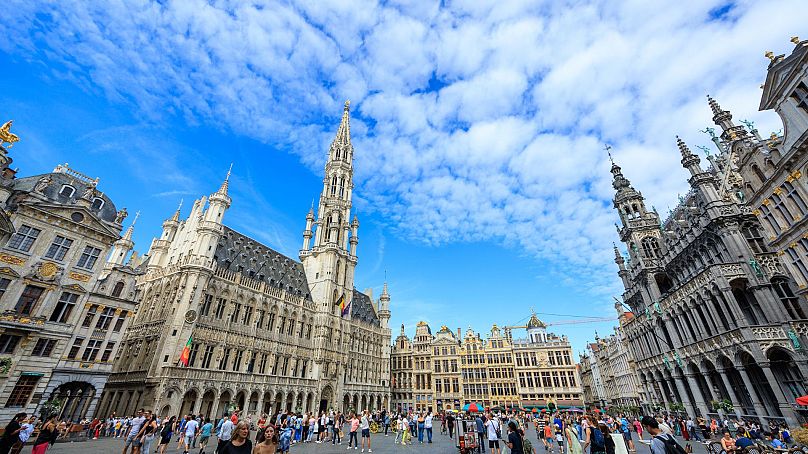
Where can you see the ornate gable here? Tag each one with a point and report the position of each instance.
(78, 215)
(782, 73)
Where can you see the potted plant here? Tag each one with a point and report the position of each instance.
(5, 366)
(676, 407)
(49, 408)
(724, 405)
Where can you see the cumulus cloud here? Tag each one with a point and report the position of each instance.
(472, 121)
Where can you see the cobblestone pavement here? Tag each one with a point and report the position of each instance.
(381, 444)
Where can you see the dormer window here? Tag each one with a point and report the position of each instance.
(98, 203)
(67, 190)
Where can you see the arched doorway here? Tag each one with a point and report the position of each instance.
(267, 403)
(75, 398)
(738, 387)
(278, 402)
(326, 395)
(253, 407)
(346, 404)
(241, 399)
(787, 373)
(310, 402)
(207, 404)
(188, 400)
(364, 404)
(225, 404)
(760, 385)
(290, 400)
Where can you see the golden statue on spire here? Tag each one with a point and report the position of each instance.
(6, 136)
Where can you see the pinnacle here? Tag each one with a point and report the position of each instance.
(686, 153)
(714, 105)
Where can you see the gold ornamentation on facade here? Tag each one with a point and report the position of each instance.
(796, 174)
(48, 270)
(6, 136)
(769, 54)
(11, 259)
(795, 39)
(756, 212)
(766, 201)
(778, 191)
(78, 276)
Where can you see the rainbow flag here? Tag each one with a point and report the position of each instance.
(185, 356)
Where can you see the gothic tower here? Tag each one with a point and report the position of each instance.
(330, 262)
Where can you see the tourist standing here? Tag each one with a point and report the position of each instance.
(514, 439)
(354, 426)
(131, 435)
(481, 438)
(364, 425)
(268, 443)
(450, 421)
(47, 436)
(240, 442)
(421, 427)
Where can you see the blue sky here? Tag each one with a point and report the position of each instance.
(482, 185)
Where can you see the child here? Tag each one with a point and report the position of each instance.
(559, 436)
(548, 437)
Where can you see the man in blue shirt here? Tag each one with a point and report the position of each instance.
(480, 433)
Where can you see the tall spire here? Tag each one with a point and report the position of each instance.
(341, 147)
(130, 230)
(226, 183)
(723, 118)
(717, 110)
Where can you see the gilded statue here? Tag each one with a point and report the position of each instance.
(6, 136)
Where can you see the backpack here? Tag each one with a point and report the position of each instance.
(598, 443)
(527, 446)
(671, 446)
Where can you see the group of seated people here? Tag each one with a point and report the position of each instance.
(731, 445)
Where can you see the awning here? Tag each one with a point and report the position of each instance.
(802, 401)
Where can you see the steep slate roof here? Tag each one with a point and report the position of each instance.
(240, 253)
(27, 184)
(362, 308)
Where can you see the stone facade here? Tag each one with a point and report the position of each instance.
(608, 372)
(63, 307)
(715, 312)
(266, 332)
(444, 371)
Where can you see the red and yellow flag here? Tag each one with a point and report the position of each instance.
(185, 356)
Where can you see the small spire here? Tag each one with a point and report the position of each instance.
(131, 229)
(714, 106)
(686, 153)
(618, 257)
(176, 216)
(384, 290)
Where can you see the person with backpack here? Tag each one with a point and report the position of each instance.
(492, 426)
(594, 437)
(514, 442)
(661, 443)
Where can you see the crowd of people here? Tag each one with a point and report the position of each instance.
(557, 432)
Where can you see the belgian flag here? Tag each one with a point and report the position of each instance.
(185, 356)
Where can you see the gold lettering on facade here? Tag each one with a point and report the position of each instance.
(78, 276)
(11, 259)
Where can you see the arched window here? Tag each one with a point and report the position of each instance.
(788, 299)
(67, 190)
(98, 203)
(116, 292)
(796, 198)
(334, 185)
(754, 238)
(758, 173)
(749, 305)
(342, 186)
(650, 247)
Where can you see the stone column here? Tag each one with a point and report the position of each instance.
(785, 408)
(736, 401)
(260, 408)
(690, 408)
(701, 402)
(759, 408)
(91, 405)
(197, 404)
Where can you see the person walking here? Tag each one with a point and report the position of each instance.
(428, 426)
(336, 428)
(450, 422)
(493, 429)
(225, 434)
(191, 427)
(131, 436)
(595, 438)
(386, 422)
(204, 435)
(660, 440)
(514, 442)
(166, 432)
(147, 431)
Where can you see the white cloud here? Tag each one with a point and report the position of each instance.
(475, 120)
